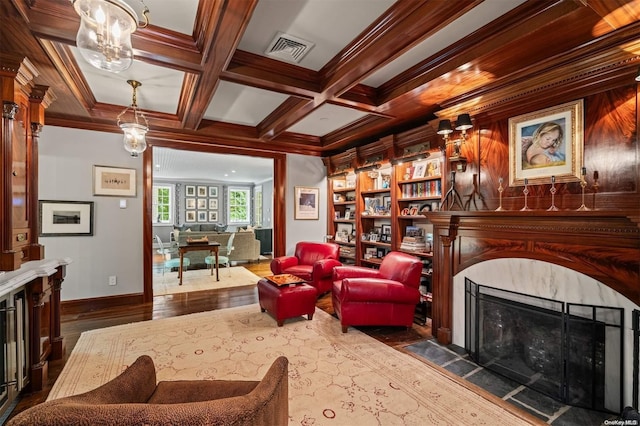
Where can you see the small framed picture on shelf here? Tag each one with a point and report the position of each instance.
(339, 183)
(336, 215)
(433, 167)
(370, 252)
(419, 170)
(374, 237)
(364, 237)
(386, 229)
(347, 214)
(380, 253)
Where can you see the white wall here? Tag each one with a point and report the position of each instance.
(66, 161)
(67, 157)
(310, 172)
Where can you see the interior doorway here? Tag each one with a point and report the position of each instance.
(213, 176)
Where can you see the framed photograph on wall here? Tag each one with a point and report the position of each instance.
(213, 191)
(202, 216)
(202, 191)
(213, 204)
(66, 218)
(190, 191)
(191, 216)
(306, 203)
(190, 203)
(114, 181)
(202, 204)
(547, 143)
(213, 216)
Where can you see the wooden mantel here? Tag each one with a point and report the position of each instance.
(604, 245)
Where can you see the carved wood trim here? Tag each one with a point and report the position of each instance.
(604, 245)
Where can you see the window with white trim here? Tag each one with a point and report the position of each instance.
(239, 206)
(162, 204)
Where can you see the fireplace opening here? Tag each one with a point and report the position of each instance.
(570, 352)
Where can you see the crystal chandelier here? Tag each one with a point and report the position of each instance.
(104, 36)
(136, 128)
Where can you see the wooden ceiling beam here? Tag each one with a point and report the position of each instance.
(221, 47)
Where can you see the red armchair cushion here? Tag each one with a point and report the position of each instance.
(312, 261)
(388, 296)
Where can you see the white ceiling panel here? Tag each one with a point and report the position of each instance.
(238, 104)
(160, 90)
(329, 24)
(326, 119)
(177, 16)
(182, 165)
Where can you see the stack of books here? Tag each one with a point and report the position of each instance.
(413, 244)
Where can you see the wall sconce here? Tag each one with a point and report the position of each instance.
(415, 153)
(104, 36)
(340, 172)
(463, 123)
(134, 130)
(372, 163)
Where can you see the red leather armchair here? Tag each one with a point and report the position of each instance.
(385, 296)
(312, 261)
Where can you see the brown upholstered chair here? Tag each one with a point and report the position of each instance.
(133, 398)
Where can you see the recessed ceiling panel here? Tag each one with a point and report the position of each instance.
(325, 120)
(183, 165)
(330, 25)
(234, 103)
(473, 20)
(172, 15)
(160, 90)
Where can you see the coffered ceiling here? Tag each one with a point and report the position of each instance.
(373, 67)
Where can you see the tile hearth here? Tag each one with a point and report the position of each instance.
(455, 359)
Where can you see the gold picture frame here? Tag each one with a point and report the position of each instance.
(546, 143)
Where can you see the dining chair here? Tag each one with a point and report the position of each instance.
(168, 262)
(224, 258)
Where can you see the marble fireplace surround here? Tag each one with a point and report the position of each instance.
(588, 257)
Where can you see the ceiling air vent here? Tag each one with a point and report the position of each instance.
(288, 48)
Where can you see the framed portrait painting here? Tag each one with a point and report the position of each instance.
(66, 218)
(547, 143)
(114, 181)
(306, 203)
(190, 191)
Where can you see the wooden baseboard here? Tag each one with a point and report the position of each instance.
(81, 306)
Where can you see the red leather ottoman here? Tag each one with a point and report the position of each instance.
(287, 301)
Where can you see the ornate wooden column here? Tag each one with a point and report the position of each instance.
(57, 341)
(444, 236)
(22, 105)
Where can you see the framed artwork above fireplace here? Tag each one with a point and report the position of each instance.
(547, 145)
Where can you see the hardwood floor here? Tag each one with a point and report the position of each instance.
(186, 303)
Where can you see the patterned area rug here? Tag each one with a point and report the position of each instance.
(334, 378)
(201, 279)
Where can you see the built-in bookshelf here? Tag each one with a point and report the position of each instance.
(374, 220)
(343, 219)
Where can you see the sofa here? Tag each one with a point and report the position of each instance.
(246, 248)
(134, 398)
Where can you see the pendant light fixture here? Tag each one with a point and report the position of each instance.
(104, 36)
(135, 129)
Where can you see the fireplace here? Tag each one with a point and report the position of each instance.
(570, 352)
(575, 258)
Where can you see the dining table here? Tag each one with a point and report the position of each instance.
(211, 246)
